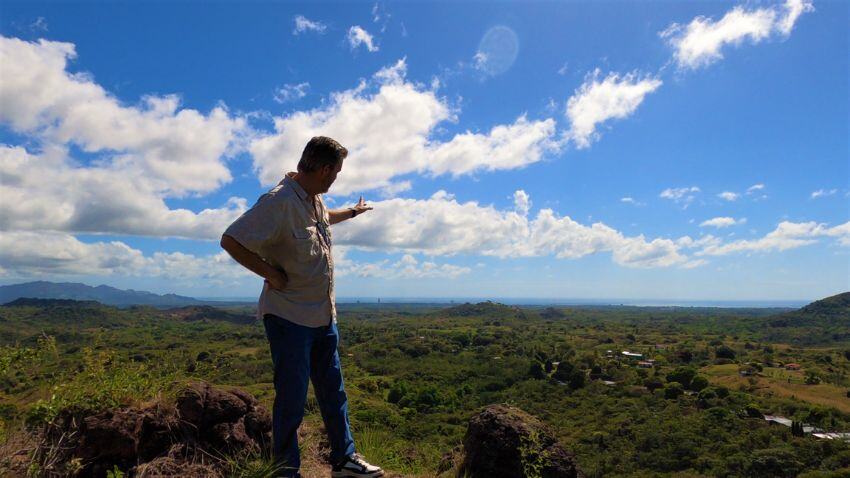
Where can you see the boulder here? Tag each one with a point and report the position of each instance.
(505, 442)
(166, 439)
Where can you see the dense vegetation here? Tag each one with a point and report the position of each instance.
(415, 374)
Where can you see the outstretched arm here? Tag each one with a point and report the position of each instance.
(339, 215)
(253, 262)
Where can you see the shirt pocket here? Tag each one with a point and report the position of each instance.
(306, 243)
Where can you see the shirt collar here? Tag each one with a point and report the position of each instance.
(295, 186)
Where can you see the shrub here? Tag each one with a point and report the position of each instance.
(725, 352)
(698, 383)
(673, 390)
(682, 375)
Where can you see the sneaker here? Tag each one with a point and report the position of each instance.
(354, 466)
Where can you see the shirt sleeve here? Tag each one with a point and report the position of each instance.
(260, 226)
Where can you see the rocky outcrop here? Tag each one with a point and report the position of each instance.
(167, 439)
(506, 442)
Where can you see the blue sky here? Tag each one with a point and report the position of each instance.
(656, 150)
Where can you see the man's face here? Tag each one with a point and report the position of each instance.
(329, 176)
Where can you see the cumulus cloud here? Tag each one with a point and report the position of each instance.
(729, 196)
(47, 192)
(680, 195)
(26, 254)
(787, 235)
(411, 226)
(823, 192)
(700, 42)
(34, 254)
(304, 24)
(407, 267)
(597, 101)
(133, 156)
(173, 150)
(358, 36)
(388, 124)
(720, 222)
(291, 92)
(522, 202)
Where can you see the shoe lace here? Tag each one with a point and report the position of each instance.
(358, 458)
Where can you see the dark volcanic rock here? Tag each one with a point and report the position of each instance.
(168, 439)
(506, 442)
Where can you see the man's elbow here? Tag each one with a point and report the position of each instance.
(227, 243)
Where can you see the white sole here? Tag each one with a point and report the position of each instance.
(349, 474)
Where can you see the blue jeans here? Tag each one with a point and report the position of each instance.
(300, 354)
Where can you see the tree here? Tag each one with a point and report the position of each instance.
(724, 351)
(673, 390)
(811, 378)
(536, 370)
(683, 375)
(563, 372)
(653, 384)
(698, 383)
(577, 379)
(685, 356)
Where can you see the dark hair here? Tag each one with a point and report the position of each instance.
(321, 151)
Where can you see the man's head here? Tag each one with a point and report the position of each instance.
(320, 162)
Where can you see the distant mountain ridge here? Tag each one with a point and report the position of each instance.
(102, 293)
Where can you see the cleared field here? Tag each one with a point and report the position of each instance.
(776, 383)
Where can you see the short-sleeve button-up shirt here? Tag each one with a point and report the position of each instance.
(291, 231)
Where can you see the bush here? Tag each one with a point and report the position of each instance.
(812, 378)
(673, 390)
(724, 352)
(698, 383)
(682, 375)
(654, 384)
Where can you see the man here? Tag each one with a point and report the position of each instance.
(286, 239)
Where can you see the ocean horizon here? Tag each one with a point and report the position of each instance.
(532, 301)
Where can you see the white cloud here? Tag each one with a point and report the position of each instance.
(720, 222)
(304, 24)
(380, 15)
(387, 125)
(133, 156)
(787, 235)
(793, 10)
(410, 225)
(522, 202)
(176, 151)
(358, 36)
(823, 193)
(680, 195)
(407, 267)
(729, 196)
(631, 200)
(755, 187)
(291, 92)
(39, 25)
(563, 69)
(49, 192)
(701, 42)
(595, 102)
(48, 254)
